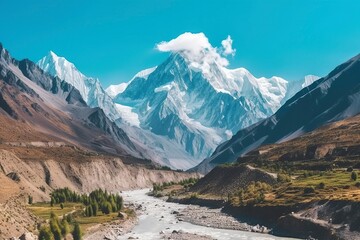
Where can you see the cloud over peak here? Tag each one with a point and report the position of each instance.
(227, 46)
(197, 48)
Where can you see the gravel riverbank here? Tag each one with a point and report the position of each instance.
(181, 235)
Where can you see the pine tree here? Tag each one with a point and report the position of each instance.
(106, 208)
(69, 218)
(45, 234)
(90, 211)
(77, 232)
(30, 199)
(94, 207)
(55, 229)
(65, 228)
(354, 175)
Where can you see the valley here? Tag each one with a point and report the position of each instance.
(189, 149)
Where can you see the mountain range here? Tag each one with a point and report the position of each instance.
(329, 99)
(181, 110)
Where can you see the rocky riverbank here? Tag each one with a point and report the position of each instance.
(110, 231)
(215, 218)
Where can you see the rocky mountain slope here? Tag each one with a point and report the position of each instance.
(335, 144)
(329, 99)
(55, 110)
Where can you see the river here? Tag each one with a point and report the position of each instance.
(157, 217)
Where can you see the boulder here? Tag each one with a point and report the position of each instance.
(122, 215)
(28, 236)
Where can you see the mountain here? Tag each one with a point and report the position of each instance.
(181, 110)
(89, 88)
(114, 90)
(197, 105)
(44, 108)
(332, 98)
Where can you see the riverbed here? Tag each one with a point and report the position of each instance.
(156, 219)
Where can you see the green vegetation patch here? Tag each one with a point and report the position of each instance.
(71, 213)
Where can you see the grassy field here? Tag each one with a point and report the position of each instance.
(43, 210)
(334, 185)
(86, 222)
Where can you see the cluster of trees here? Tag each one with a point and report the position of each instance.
(58, 229)
(103, 201)
(63, 195)
(186, 183)
(252, 194)
(96, 201)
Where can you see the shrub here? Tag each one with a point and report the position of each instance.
(194, 196)
(61, 205)
(349, 169)
(354, 175)
(321, 185)
(283, 178)
(42, 188)
(309, 190)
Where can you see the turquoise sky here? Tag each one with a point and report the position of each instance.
(112, 40)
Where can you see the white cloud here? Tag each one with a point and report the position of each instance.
(197, 48)
(227, 46)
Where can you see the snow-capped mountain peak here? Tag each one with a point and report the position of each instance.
(309, 79)
(89, 88)
(65, 70)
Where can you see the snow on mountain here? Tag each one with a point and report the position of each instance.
(194, 100)
(309, 79)
(114, 90)
(89, 88)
